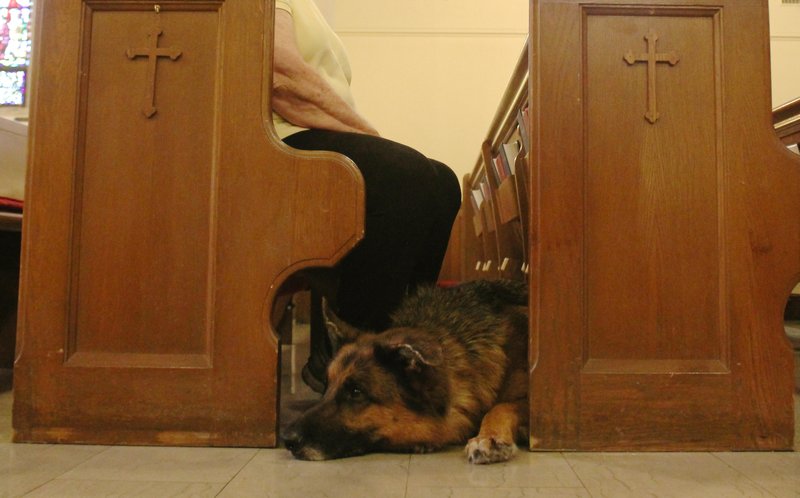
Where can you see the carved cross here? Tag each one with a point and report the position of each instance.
(651, 58)
(153, 52)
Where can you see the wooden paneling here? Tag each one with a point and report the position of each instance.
(140, 242)
(664, 237)
(161, 218)
(653, 199)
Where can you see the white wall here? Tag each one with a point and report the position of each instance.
(430, 73)
(784, 22)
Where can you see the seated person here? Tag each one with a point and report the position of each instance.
(411, 200)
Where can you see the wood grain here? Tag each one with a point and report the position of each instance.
(664, 252)
(154, 247)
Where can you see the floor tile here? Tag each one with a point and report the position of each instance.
(24, 467)
(61, 488)
(497, 493)
(779, 473)
(6, 434)
(163, 464)
(275, 473)
(450, 469)
(679, 475)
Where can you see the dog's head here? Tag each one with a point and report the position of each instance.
(386, 392)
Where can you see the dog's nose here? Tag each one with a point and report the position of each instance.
(291, 439)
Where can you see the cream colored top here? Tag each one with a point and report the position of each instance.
(321, 48)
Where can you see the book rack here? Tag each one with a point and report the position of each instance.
(494, 221)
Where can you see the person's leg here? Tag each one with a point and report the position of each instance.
(409, 213)
(447, 201)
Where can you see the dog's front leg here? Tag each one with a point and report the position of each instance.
(495, 441)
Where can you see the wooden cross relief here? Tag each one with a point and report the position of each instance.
(651, 58)
(152, 52)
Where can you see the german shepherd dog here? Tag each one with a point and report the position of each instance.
(454, 359)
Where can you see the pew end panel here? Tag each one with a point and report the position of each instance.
(162, 216)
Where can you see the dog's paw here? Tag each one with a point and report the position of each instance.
(483, 450)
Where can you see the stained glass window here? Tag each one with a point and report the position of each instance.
(15, 50)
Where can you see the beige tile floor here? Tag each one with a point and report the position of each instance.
(86, 471)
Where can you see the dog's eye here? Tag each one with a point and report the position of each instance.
(351, 393)
(355, 393)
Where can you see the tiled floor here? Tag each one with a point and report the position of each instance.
(85, 471)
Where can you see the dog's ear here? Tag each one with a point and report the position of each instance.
(339, 331)
(413, 352)
(416, 358)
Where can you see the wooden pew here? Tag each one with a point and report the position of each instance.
(655, 306)
(162, 217)
(493, 224)
(663, 232)
(11, 222)
(786, 119)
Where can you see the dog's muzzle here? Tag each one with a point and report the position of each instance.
(294, 443)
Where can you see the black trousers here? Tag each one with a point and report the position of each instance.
(411, 202)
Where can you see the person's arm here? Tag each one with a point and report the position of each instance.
(300, 95)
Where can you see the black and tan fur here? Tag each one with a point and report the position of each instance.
(453, 360)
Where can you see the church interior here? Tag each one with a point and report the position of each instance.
(635, 162)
